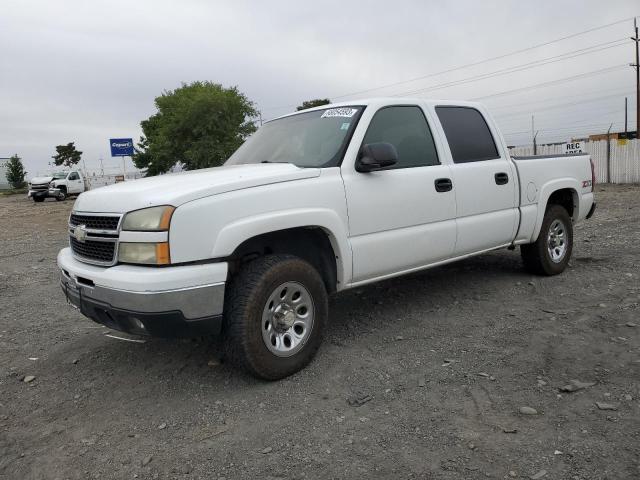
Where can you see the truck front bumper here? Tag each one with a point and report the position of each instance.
(180, 301)
(51, 192)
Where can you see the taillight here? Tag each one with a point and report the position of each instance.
(593, 174)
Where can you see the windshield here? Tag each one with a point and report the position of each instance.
(311, 139)
(59, 175)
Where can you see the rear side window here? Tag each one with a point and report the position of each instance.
(406, 128)
(468, 134)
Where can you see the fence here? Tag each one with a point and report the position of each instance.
(624, 161)
(96, 180)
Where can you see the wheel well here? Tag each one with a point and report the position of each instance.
(566, 198)
(309, 243)
(63, 188)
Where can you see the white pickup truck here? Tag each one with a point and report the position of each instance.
(58, 185)
(314, 203)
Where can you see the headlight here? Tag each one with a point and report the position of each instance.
(52, 184)
(144, 253)
(152, 219)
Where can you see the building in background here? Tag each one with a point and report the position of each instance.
(613, 136)
(4, 183)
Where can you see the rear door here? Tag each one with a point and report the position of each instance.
(402, 217)
(484, 180)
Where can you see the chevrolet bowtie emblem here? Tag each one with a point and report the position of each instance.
(80, 233)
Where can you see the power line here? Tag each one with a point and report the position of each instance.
(518, 68)
(491, 59)
(553, 82)
(573, 119)
(562, 105)
(562, 129)
(619, 90)
(453, 69)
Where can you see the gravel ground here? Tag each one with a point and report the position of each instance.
(419, 377)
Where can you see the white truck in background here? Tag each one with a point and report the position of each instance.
(58, 185)
(313, 203)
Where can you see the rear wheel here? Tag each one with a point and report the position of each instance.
(550, 253)
(275, 315)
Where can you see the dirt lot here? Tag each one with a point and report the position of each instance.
(442, 362)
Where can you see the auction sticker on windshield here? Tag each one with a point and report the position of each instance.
(339, 112)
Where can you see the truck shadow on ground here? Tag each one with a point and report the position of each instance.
(383, 307)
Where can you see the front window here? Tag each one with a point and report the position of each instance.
(406, 128)
(308, 139)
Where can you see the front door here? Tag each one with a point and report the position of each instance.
(74, 183)
(402, 217)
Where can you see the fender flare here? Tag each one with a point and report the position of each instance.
(546, 191)
(235, 233)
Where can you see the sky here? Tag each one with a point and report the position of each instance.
(73, 70)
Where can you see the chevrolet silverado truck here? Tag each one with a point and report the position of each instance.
(58, 185)
(314, 203)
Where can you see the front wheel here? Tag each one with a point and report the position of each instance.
(550, 253)
(61, 196)
(276, 310)
(38, 199)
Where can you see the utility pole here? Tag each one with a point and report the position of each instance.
(625, 118)
(535, 144)
(609, 154)
(637, 67)
(533, 135)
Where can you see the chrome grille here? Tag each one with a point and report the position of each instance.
(93, 237)
(95, 222)
(95, 251)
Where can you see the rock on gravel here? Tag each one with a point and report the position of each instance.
(539, 475)
(528, 411)
(575, 385)
(606, 406)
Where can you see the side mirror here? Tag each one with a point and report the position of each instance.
(376, 156)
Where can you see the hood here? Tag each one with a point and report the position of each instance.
(39, 180)
(178, 188)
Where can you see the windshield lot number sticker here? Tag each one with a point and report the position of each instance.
(345, 126)
(339, 112)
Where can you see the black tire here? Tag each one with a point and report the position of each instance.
(62, 196)
(38, 199)
(246, 298)
(537, 257)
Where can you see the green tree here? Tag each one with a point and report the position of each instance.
(318, 102)
(199, 125)
(67, 155)
(15, 172)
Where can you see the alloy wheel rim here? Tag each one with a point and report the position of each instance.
(287, 319)
(557, 241)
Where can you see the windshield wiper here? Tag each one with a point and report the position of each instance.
(271, 161)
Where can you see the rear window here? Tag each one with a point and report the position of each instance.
(468, 134)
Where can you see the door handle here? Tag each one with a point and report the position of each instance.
(443, 184)
(501, 178)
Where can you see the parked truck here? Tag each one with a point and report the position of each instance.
(58, 185)
(315, 203)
